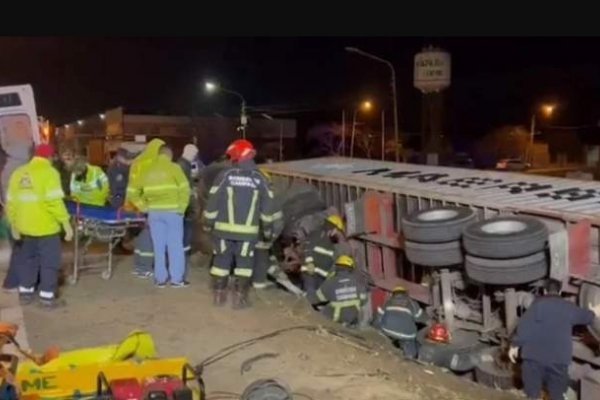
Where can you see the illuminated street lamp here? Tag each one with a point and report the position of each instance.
(546, 109)
(212, 87)
(364, 106)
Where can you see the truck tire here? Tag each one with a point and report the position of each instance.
(513, 271)
(590, 294)
(489, 373)
(436, 225)
(434, 254)
(459, 356)
(505, 237)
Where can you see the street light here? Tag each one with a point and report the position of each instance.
(364, 106)
(393, 85)
(212, 87)
(547, 110)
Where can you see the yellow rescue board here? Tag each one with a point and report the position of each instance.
(75, 373)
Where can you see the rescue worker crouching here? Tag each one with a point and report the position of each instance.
(342, 294)
(320, 254)
(265, 261)
(239, 203)
(143, 256)
(36, 212)
(89, 183)
(398, 319)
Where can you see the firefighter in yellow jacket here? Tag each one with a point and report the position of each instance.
(36, 212)
(89, 184)
(143, 257)
(165, 195)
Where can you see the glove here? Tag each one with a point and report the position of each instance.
(15, 233)
(207, 228)
(68, 231)
(513, 353)
(595, 309)
(268, 235)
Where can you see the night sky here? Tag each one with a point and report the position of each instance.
(495, 80)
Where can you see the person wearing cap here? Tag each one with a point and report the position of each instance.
(398, 319)
(186, 162)
(320, 254)
(89, 183)
(238, 214)
(165, 195)
(343, 293)
(118, 177)
(36, 213)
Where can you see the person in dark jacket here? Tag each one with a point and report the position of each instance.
(64, 165)
(544, 338)
(118, 177)
(186, 162)
(398, 320)
(343, 294)
(238, 213)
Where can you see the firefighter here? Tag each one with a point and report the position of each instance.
(89, 183)
(342, 294)
(118, 177)
(165, 195)
(265, 261)
(544, 338)
(188, 157)
(143, 257)
(239, 205)
(36, 212)
(398, 320)
(320, 254)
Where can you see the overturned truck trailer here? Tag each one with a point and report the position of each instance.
(376, 196)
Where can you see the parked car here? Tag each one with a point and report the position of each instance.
(512, 164)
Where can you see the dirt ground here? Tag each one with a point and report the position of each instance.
(183, 322)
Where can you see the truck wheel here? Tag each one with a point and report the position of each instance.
(513, 271)
(505, 237)
(590, 294)
(458, 356)
(489, 373)
(436, 225)
(434, 254)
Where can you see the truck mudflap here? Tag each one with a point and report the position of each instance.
(460, 355)
(590, 295)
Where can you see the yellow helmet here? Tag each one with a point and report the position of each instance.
(399, 289)
(336, 221)
(345, 261)
(265, 173)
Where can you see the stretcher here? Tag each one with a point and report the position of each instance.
(98, 224)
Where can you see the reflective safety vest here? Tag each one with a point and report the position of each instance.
(344, 294)
(93, 190)
(138, 169)
(319, 254)
(238, 203)
(35, 203)
(164, 187)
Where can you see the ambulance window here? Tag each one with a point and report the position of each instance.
(10, 100)
(15, 130)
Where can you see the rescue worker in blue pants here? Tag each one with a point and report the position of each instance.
(343, 294)
(320, 255)
(239, 205)
(165, 196)
(36, 212)
(544, 338)
(16, 156)
(398, 319)
(143, 256)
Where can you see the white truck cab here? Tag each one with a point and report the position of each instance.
(18, 117)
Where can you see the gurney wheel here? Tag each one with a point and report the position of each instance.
(72, 280)
(106, 275)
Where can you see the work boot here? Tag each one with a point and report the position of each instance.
(240, 293)
(51, 304)
(219, 288)
(26, 299)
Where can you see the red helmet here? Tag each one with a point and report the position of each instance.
(439, 333)
(240, 150)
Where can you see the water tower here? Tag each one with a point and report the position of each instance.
(431, 77)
